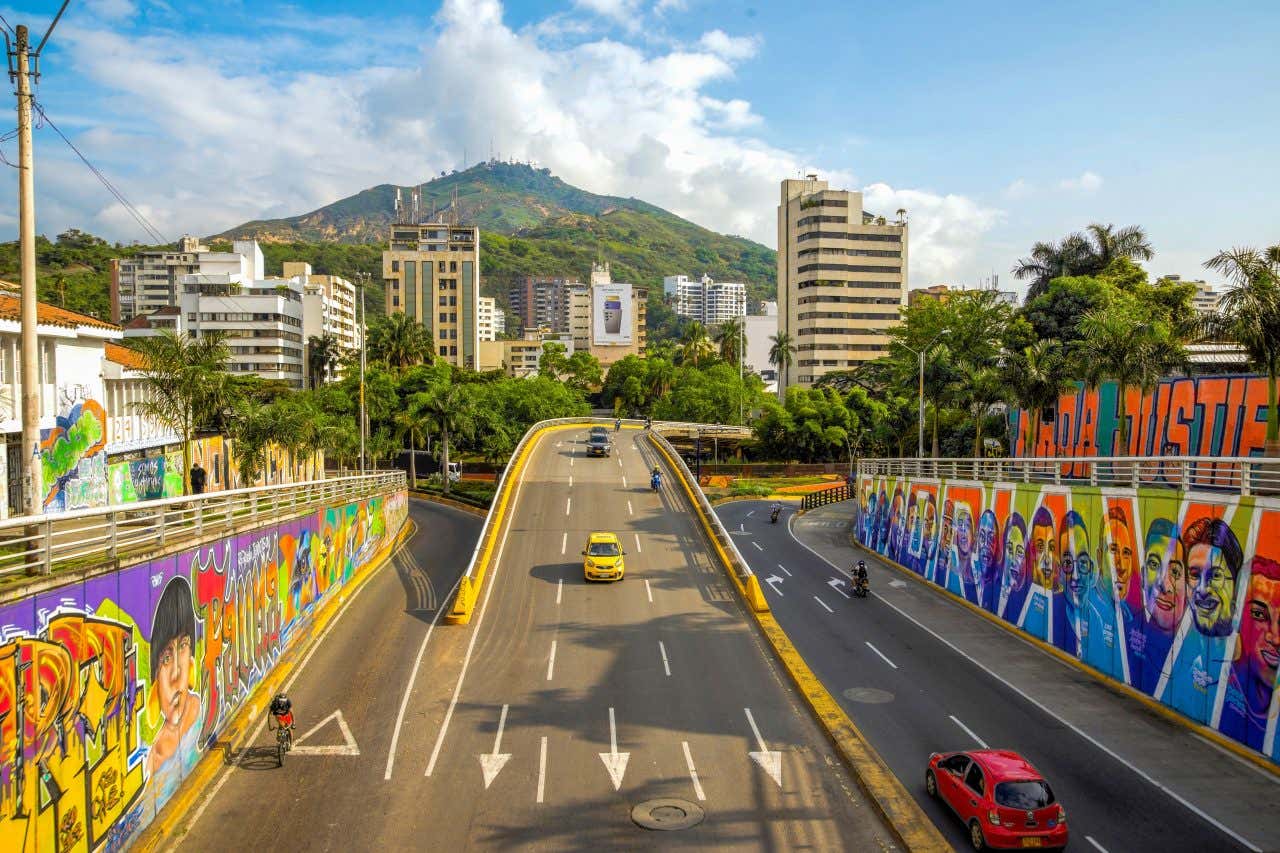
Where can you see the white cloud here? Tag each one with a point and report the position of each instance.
(663, 6)
(1018, 190)
(112, 9)
(619, 10)
(730, 47)
(203, 138)
(1086, 182)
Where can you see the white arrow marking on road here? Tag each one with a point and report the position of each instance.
(348, 748)
(493, 762)
(771, 580)
(784, 568)
(770, 761)
(897, 584)
(836, 583)
(615, 762)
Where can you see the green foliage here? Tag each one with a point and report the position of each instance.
(712, 395)
(812, 425)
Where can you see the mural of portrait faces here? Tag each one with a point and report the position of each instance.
(895, 521)
(1076, 571)
(1214, 558)
(912, 533)
(1121, 551)
(1259, 641)
(1164, 575)
(1044, 548)
(1015, 552)
(988, 547)
(964, 539)
(173, 637)
(948, 526)
(882, 520)
(930, 516)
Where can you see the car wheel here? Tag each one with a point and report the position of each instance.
(930, 783)
(976, 839)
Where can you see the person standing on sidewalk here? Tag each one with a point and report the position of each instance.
(197, 479)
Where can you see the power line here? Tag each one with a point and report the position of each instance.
(142, 220)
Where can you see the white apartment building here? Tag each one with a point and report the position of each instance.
(328, 305)
(705, 300)
(151, 279)
(490, 321)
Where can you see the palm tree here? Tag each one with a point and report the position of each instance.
(1117, 346)
(400, 342)
(980, 387)
(1249, 314)
(695, 346)
(781, 354)
(447, 411)
(1081, 254)
(1037, 376)
(1107, 244)
(184, 383)
(729, 337)
(409, 428)
(323, 355)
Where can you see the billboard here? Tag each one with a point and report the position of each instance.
(611, 307)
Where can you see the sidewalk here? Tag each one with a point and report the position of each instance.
(1197, 774)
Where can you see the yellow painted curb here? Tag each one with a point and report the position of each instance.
(776, 496)
(170, 820)
(469, 588)
(906, 820)
(1123, 689)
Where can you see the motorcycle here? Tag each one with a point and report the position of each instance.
(655, 482)
(861, 586)
(773, 516)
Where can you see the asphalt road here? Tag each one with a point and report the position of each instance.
(559, 708)
(912, 695)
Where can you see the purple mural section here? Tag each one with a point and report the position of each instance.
(112, 688)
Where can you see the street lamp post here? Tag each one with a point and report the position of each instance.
(920, 353)
(363, 279)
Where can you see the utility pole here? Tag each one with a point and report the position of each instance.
(32, 479)
(363, 279)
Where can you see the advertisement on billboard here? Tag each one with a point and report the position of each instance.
(611, 314)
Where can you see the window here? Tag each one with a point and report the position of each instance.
(444, 300)
(956, 763)
(191, 316)
(440, 267)
(845, 268)
(453, 350)
(395, 301)
(809, 220)
(395, 266)
(453, 300)
(603, 549)
(443, 317)
(444, 350)
(453, 318)
(1026, 796)
(973, 779)
(453, 266)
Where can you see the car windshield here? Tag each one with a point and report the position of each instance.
(599, 439)
(598, 430)
(603, 549)
(1024, 795)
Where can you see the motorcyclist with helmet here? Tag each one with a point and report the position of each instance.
(859, 583)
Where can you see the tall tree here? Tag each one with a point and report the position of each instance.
(1249, 314)
(399, 342)
(728, 337)
(1081, 254)
(781, 353)
(448, 412)
(1035, 377)
(324, 353)
(185, 380)
(695, 346)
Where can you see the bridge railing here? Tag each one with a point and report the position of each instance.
(43, 544)
(822, 497)
(1242, 475)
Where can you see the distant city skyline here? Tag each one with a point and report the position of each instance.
(993, 128)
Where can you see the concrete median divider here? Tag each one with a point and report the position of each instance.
(902, 814)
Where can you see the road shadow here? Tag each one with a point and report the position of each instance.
(553, 573)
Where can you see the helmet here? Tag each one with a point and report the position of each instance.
(280, 704)
(862, 564)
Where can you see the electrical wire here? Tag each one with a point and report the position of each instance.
(138, 216)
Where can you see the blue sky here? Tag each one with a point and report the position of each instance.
(994, 124)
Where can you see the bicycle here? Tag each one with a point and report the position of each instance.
(284, 741)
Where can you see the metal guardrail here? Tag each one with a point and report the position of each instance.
(43, 544)
(1242, 475)
(836, 494)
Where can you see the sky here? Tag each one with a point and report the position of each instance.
(995, 124)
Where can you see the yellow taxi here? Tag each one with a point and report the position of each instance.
(603, 558)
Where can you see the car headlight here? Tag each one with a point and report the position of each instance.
(590, 564)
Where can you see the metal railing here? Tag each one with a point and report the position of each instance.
(822, 497)
(1242, 475)
(103, 536)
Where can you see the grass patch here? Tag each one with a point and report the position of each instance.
(763, 487)
(477, 493)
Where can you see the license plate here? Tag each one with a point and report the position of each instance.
(1031, 842)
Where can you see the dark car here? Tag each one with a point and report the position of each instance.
(598, 445)
(1004, 801)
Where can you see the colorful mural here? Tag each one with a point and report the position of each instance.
(74, 466)
(1176, 596)
(1187, 416)
(110, 689)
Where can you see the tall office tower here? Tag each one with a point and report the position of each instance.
(842, 279)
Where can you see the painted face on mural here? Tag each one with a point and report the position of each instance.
(173, 635)
(1015, 553)
(1260, 627)
(1044, 548)
(1213, 590)
(988, 546)
(948, 517)
(1164, 576)
(1121, 552)
(913, 527)
(930, 520)
(1077, 573)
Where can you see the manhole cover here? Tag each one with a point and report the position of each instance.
(868, 695)
(667, 814)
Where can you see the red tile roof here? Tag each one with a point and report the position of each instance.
(49, 315)
(130, 359)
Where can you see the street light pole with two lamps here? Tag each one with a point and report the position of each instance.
(920, 353)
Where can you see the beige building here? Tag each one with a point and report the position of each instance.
(152, 279)
(432, 273)
(617, 315)
(522, 357)
(842, 279)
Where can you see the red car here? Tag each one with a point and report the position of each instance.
(1003, 800)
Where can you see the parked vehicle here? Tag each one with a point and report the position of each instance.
(1003, 800)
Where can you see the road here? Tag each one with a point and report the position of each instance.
(559, 708)
(912, 695)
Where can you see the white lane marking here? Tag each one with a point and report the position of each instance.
(404, 703)
(1096, 845)
(542, 768)
(639, 550)
(836, 583)
(568, 503)
(564, 542)
(784, 568)
(1247, 764)
(693, 771)
(471, 644)
(571, 481)
(226, 774)
(559, 589)
(624, 481)
(757, 544)
(771, 580)
(770, 761)
(753, 512)
(982, 743)
(885, 658)
(551, 662)
(629, 510)
(666, 665)
(615, 762)
(349, 746)
(1097, 744)
(648, 590)
(571, 458)
(491, 763)
(823, 603)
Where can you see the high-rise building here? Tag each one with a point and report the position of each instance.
(432, 273)
(1205, 299)
(490, 320)
(151, 279)
(842, 279)
(618, 318)
(705, 300)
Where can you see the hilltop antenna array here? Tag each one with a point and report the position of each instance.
(399, 207)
